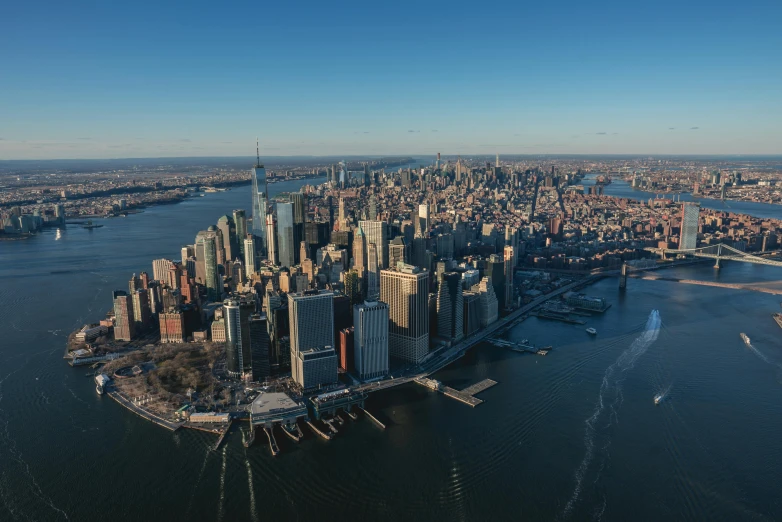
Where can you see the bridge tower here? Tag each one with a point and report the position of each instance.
(623, 277)
(717, 260)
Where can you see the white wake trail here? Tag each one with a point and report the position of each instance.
(611, 395)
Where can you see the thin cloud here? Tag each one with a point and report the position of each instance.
(83, 138)
(226, 142)
(414, 131)
(186, 140)
(434, 130)
(366, 132)
(694, 128)
(671, 128)
(601, 133)
(614, 133)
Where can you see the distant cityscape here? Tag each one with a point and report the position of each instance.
(376, 277)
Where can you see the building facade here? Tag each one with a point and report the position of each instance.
(406, 291)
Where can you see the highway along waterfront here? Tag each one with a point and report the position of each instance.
(574, 435)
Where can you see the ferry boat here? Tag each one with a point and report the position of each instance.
(778, 319)
(591, 331)
(101, 380)
(745, 338)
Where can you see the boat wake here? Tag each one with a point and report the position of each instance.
(610, 397)
(660, 397)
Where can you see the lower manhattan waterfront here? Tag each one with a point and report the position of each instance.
(573, 435)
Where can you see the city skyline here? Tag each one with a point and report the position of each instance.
(407, 79)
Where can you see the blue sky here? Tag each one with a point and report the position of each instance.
(137, 79)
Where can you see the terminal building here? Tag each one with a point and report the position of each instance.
(269, 409)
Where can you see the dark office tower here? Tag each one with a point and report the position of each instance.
(343, 239)
(419, 252)
(398, 252)
(286, 244)
(343, 315)
(141, 312)
(124, 324)
(495, 269)
(353, 287)
(237, 311)
(330, 205)
(259, 348)
(260, 204)
(372, 208)
(316, 234)
(240, 221)
(211, 273)
(450, 306)
(300, 205)
(227, 229)
(155, 295)
(471, 317)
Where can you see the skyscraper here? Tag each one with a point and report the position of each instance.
(240, 220)
(313, 358)
(510, 263)
(450, 306)
(370, 339)
(373, 273)
(495, 270)
(260, 348)
(359, 253)
(376, 232)
(271, 237)
(398, 252)
(249, 257)
(227, 227)
(211, 273)
(406, 292)
(487, 302)
(423, 220)
(260, 203)
(141, 312)
(124, 324)
(286, 246)
(688, 239)
(237, 311)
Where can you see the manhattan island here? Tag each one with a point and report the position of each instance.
(292, 313)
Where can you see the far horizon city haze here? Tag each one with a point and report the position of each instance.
(312, 78)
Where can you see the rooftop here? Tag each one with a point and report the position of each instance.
(267, 403)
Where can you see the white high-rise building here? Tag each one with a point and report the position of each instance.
(487, 302)
(376, 232)
(406, 291)
(249, 257)
(160, 269)
(688, 239)
(370, 339)
(271, 239)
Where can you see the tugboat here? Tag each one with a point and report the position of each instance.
(591, 331)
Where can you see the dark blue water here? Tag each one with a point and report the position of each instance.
(570, 436)
(622, 189)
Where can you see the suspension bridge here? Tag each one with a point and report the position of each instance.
(719, 252)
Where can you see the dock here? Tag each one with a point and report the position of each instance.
(467, 395)
(544, 315)
(117, 396)
(522, 347)
(250, 437)
(222, 436)
(84, 361)
(272, 443)
(373, 419)
(326, 436)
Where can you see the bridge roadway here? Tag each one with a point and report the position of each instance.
(444, 356)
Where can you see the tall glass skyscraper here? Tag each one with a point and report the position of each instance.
(260, 206)
(286, 243)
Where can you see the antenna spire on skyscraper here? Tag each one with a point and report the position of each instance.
(257, 152)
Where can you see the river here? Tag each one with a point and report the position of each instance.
(573, 435)
(622, 189)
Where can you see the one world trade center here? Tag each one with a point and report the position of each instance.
(260, 204)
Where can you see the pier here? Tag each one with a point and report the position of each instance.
(272, 443)
(467, 395)
(117, 396)
(544, 315)
(373, 419)
(523, 346)
(222, 437)
(326, 436)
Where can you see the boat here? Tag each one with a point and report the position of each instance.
(658, 398)
(101, 380)
(745, 338)
(778, 319)
(89, 225)
(591, 331)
